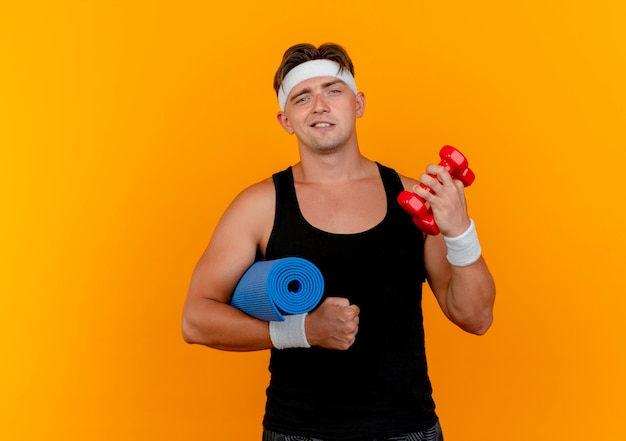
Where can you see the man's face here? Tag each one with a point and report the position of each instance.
(321, 112)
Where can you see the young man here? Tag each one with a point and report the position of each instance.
(355, 367)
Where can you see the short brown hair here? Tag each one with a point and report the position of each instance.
(303, 52)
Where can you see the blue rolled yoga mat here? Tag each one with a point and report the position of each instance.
(271, 288)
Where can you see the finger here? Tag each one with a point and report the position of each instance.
(338, 301)
(442, 174)
(344, 344)
(350, 329)
(425, 193)
(356, 309)
(459, 185)
(429, 179)
(351, 314)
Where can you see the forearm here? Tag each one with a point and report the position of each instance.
(470, 297)
(220, 326)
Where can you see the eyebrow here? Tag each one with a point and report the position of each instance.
(309, 90)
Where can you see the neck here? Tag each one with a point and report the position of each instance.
(340, 165)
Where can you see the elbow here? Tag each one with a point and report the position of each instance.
(194, 328)
(194, 334)
(478, 326)
(479, 330)
(190, 333)
(187, 335)
(477, 318)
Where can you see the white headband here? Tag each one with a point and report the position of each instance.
(313, 69)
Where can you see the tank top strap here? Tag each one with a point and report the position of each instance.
(286, 210)
(391, 180)
(283, 181)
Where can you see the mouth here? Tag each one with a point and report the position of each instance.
(320, 124)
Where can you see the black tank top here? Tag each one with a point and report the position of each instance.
(380, 386)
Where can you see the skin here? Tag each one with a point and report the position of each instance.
(339, 191)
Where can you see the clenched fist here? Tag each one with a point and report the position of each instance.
(333, 325)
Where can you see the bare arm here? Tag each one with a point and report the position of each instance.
(465, 294)
(208, 318)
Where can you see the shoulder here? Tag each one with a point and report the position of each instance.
(407, 182)
(249, 217)
(256, 196)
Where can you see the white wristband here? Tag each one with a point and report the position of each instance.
(289, 333)
(465, 249)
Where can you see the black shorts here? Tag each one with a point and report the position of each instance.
(432, 434)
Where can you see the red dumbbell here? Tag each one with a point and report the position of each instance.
(455, 164)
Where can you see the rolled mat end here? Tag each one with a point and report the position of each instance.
(270, 289)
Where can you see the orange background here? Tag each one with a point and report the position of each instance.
(127, 127)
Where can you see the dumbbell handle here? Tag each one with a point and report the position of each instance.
(456, 164)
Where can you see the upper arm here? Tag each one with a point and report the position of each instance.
(208, 318)
(243, 228)
(438, 271)
(465, 293)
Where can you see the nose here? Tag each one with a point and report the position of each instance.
(319, 104)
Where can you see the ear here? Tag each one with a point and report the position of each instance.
(360, 104)
(284, 122)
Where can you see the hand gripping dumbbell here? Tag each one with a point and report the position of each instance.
(455, 164)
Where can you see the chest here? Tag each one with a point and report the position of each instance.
(343, 208)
